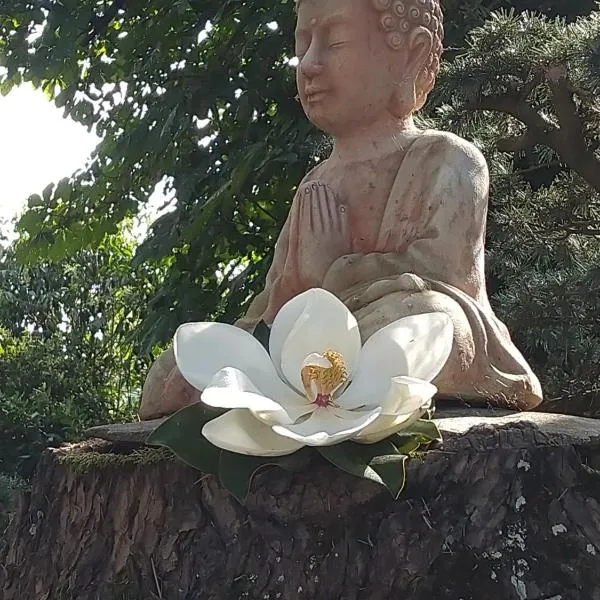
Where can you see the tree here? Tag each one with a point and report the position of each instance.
(216, 116)
(68, 352)
(508, 509)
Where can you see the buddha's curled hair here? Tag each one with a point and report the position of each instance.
(400, 17)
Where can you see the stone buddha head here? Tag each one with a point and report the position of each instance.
(361, 61)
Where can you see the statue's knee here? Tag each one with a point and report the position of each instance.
(398, 304)
(383, 288)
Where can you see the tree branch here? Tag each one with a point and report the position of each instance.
(562, 96)
(530, 85)
(516, 143)
(575, 231)
(567, 140)
(516, 107)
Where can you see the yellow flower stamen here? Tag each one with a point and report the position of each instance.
(321, 382)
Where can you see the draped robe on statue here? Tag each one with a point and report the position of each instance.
(429, 255)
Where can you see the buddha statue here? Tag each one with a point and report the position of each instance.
(393, 222)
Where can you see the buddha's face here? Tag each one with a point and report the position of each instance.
(347, 71)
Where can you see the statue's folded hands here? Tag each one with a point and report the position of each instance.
(319, 234)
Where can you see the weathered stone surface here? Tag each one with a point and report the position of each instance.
(124, 432)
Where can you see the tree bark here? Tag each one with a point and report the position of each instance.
(508, 508)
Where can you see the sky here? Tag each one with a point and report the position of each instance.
(37, 146)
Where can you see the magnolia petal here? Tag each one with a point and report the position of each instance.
(230, 388)
(328, 426)
(417, 346)
(238, 431)
(406, 395)
(203, 349)
(285, 319)
(286, 415)
(408, 399)
(312, 322)
(386, 425)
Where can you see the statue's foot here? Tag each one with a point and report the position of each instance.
(165, 390)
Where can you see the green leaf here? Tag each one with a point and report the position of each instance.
(297, 461)
(406, 444)
(182, 434)
(381, 462)
(34, 201)
(390, 469)
(420, 433)
(426, 431)
(236, 472)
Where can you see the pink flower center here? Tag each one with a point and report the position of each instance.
(323, 400)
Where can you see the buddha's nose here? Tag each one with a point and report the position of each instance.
(311, 65)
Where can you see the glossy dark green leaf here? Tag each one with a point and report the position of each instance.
(426, 431)
(406, 444)
(381, 463)
(236, 472)
(182, 434)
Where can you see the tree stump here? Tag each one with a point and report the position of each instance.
(508, 508)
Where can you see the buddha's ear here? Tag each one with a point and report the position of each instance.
(408, 95)
(420, 45)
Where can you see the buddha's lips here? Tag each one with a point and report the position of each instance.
(313, 96)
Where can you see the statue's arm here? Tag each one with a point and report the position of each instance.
(457, 201)
(299, 263)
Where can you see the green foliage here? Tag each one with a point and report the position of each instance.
(67, 348)
(217, 117)
(43, 400)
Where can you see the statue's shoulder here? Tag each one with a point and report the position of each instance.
(453, 152)
(315, 172)
(457, 163)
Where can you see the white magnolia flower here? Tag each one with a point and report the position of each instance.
(318, 386)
